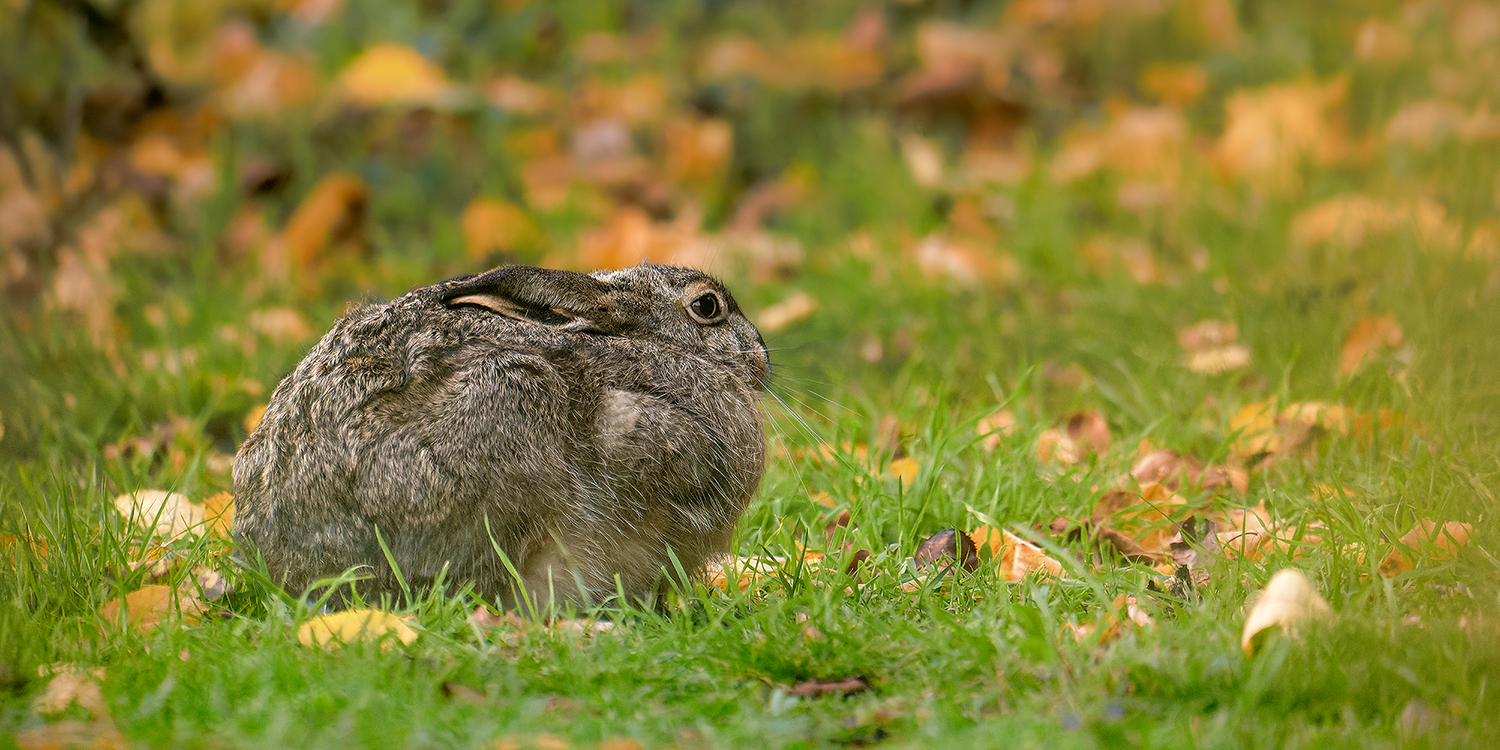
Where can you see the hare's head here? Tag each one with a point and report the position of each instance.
(679, 307)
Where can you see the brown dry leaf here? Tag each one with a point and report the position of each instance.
(1244, 532)
(1149, 518)
(957, 63)
(837, 64)
(750, 571)
(995, 427)
(515, 94)
(1348, 220)
(777, 317)
(1083, 433)
(1425, 123)
(923, 160)
(1105, 254)
(816, 688)
(1207, 334)
(352, 625)
(1286, 602)
(492, 225)
(1368, 337)
(395, 75)
(39, 547)
(961, 260)
(218, 510)
(947, 547)
(1443, 541)
(281, 325)
(697, 151)
(271, 83)
(148, 607)
(1147, 144)
(70, 733)
(631, 236)
(170, 515)
(1380, 42)
(1271, 130)
(71, 684)
(332, 213)
(1174, 85)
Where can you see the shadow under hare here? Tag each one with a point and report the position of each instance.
(582, 424)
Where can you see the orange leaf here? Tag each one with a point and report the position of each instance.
(1444, 542)
(333, 210)
(147, 608)
(491, 225)
(219, 510)
(1368, 337)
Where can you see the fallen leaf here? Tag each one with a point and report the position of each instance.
(1219, 359)
(1287, 602)
(816, 688)
(1442, 541)
(253, 417)
(923, 160)
(352, 625)
(280, 325)
(1014, 557)
(1381, 42)
(1367, 338)
(491, 225)
(1270, 131)
(995, 427)
(697, 151)
(148, 607)
(947, 545)
(1425, 123)
(904, 470)
(71, 684)
(395, 75)
(331, 214)
(1082, 434)
(515, 94)
(779, 316)
(168, 514)
(463, 693)
(71, 733)
(1174, 85)
(1348, 220)
(219, 511)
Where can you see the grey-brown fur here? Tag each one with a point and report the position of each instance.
(590, 418)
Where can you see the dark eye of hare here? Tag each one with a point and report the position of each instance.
(706, 307)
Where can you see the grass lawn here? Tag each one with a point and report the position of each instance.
(952, 269)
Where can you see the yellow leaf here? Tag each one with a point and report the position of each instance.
(168, 514)
(1287, 601)
(352, 625)
(905, 470)
(219, 510)
(395, 75)
(253, 417)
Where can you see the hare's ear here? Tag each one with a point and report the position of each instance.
(560, 299)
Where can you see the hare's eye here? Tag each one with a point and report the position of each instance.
(706, 308)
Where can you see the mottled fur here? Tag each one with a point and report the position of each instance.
(590, 419)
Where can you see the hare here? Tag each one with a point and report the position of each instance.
(597, 430)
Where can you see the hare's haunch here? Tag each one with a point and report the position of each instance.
(590, 427)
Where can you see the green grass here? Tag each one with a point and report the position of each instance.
(972, 662)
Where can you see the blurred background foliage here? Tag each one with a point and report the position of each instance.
(930, 191)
